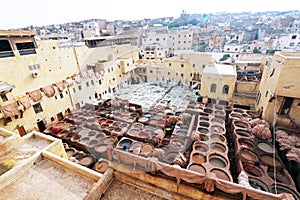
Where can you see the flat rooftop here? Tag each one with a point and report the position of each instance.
(220, 69)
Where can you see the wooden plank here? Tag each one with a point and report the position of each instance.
(163, 187)
(100, 186)
(86, 172)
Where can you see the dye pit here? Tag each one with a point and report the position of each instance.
(166, 121)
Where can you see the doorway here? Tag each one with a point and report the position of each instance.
(286, 105)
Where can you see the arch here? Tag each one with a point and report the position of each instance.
(213, 87)
(225, 89)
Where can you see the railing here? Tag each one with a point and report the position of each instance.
(6, 54)
(27, 52)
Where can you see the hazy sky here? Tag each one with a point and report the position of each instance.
(21, 13)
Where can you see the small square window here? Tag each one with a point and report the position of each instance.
(92, 82)
(79, 87)
(4, 97)
(61, 95)
(74, 90)
(87, 84)
(37, 108)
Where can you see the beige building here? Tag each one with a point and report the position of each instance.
(218, 83)
(278, 97)
(35, 75)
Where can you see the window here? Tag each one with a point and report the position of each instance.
(127, 64)
(87, 84)
(151, 71)
(272, 73)
(267, 92)
(92, 82)
(61, 95)
(26, 48)
(79, 87)
(157, 39)
(176, 74)
(191, 74)
(170, 64)
(169, 73)
(213, 87)
(225, 89)
(100, 82)
(74, 90)
(194, 65)
(5, 49)
(37, 108)
(4, 97)
(294, 37)
(182, 65)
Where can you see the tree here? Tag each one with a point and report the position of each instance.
(255, 50)
(225, 57)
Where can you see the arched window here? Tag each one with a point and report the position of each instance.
(225, 89)
(213, 87)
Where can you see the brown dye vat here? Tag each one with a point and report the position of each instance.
(203, 137)
(71, 152)
(204, 119)
(93, 143)
(280, 188)
(208, 110)
(123, 125)
(101, 166)
(203, 130)
(198, 158)
(268, 160)
(218, 147)
(165, 141)
(217, 138)
(200, 146)
(238, 110)
(75, 129)
(104, 126)
(154, 122)
(87, 161)
(265, 147)
(252, 170)
(258, 184)
(241, 124)
(117, 123)
(221, 174)
(248, 155)
(204, 124)
(242, 132)
(218, 107)
(75, 138)
(100, 136)
(246, 143)
(101, 148)
(217, 129)
(235, 116)
(204, 114)
(146, 149)
(280, 176)
(197, 168)
(110, 128)
(137, 125)
(218, 161)
(252, 114)
(135, 146)
(134, 132)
